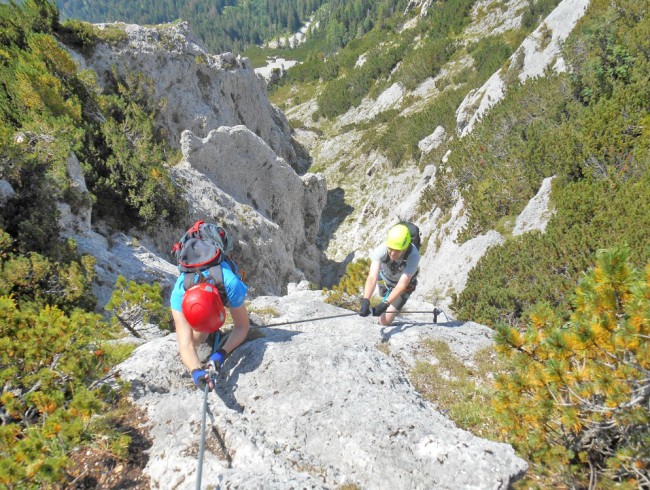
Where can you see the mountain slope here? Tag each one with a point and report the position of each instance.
(400, 135)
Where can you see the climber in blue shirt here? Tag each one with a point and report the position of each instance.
(199, 311)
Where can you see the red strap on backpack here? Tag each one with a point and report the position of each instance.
(193, 231)
(195, 228)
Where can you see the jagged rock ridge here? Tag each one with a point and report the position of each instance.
(202, 91)
(240, 166)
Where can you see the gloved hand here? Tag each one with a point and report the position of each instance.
(365, 307)
(380, 308)
(217, 359)
(201, 379)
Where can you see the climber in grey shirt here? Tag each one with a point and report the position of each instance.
(394, 266)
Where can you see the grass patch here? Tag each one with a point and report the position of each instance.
(463, 392)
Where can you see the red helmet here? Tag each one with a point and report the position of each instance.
(203, 308)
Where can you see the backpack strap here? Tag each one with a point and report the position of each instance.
(216, 274)
(408, 252)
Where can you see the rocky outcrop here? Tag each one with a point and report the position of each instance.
(231, 177)
(275, 69)
(448, 263)
(234, 178)
(6, 191)
(314, 405)
(423, 5)
(433, 141)
(239, 168)
(539, 50)
(537, 212)
(201, 91)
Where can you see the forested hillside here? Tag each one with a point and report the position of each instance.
(224, 25)
(235, 25)
(587, 127)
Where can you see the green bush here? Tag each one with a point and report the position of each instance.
(489, 54)
(134, 304)
(127, 158)
(53, 350)
(589, 215)
(347, 293)
(348, 90)
(549, 127)
(537, 12)
(576, 402)
(398, 139)
(54, 109)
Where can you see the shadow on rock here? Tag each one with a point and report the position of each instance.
(334, 213)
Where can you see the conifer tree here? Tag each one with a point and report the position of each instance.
(577, 401)
(134, 304)
(346, 292)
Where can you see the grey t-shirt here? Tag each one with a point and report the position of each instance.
(391, 271)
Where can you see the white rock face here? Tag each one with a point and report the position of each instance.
(120, 254)
(234, 178)
(423, 4)
(293, 40)
(369, 108)
(79, 220)
(116, 254)
(433, 141)
(478, 102)
(444, 269)
(295, 409)
(6, 191)
(494, 18)
(538, 51)
(537, 212)
(202, 91)
(275, 68)
(243, 175)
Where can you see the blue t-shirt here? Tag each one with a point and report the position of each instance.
(235, 289)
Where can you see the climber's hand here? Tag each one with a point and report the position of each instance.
(365, 307)
(380, 308)
(202, 379)
(217, 359)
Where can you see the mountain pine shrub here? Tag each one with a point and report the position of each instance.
(134, 304)
(48, 361)
(48, 111)
(576, 403)
(589, 215)
(348, 291)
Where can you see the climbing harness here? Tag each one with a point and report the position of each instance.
(213, 379)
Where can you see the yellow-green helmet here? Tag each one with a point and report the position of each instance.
(398, 238)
